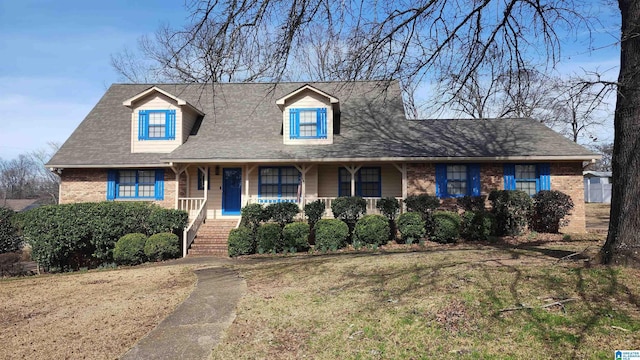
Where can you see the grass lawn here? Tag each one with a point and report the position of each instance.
(90, 315)
(445, 301)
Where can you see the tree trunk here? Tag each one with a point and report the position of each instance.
(623, 241)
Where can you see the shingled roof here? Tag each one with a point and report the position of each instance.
(242, 123)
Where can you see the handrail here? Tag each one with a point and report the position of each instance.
(190, 232)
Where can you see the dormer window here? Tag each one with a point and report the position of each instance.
(157, 125)
(308, 123)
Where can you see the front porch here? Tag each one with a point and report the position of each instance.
(230, 187)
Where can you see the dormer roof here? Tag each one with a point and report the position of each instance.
(129, 102)
(281, 101)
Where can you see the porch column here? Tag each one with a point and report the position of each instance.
(303, 192)
(178, 171)
(247, 170)
(403, 170)
(205, 171)
(353, 170)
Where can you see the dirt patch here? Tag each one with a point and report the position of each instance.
(597, 216)
(94, 315)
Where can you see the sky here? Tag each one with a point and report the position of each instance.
(55, 62)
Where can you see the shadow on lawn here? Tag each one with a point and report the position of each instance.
(601, 303)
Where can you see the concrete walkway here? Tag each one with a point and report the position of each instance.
(197, 325)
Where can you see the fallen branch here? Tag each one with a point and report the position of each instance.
(619, 328)
(526, 307)
(573, 254)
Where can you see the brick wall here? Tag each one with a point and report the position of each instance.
(90, 185)
(421, 178)
(567, 177)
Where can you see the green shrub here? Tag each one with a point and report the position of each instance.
(252, 216)
(129, 249)
(282, 213)
(84, 234)
(349, 209)
(425, 205)
(162, 246)
(314, 212)
(411, 227)
(476, 225)
(472, 203)
(390, 208)
(331, 234)
(371, 229)
(241, 242)
(9, 239)
(269, 238)
(167, 220)
(446, 226)
(511, 209)
(550, 207)
(296, 236)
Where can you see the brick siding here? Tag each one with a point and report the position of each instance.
(565, 177)
(90, 185)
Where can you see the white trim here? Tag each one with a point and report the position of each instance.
(282, 100)
(181, 102)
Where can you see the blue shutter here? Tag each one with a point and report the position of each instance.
(544, 177)
(322, 123)
(474, 179)
(294, 123)
(159, 186)
(112, 175)
(171, 124)
(143, 125)
(509, 177)
(441, 180)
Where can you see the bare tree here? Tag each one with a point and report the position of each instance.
(48, 182)
(26, 177)
(606, 150)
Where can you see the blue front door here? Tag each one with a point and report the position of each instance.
(231, 191)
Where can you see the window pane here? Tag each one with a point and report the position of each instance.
(289, 176)
(269, 190)
(456, 187)
(308, 130)
(527, 186)
(370, 189)
(157, 122)
(127, 183)
(456, 172)
(269, 175)
(525, 172)
(289, 191)
(369, 174)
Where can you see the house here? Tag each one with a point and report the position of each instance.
(211, 149)
(597, 186)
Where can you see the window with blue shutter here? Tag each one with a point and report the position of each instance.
(457, 180)
(529, 178)
(368, 182)
(278, 184)
(156, 125)
(144, 184)
(308, 123)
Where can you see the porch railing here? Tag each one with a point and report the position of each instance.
(371, 203)
(191, 230)
(190, 205)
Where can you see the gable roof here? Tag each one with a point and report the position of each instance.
(243, 123)
(282, 100)
(129, 102)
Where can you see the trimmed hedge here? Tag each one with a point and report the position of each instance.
(472, 203)
(511, 209)
(129, 249)
(162, 246)
(446, 226)
(550, 207)
(296, 236)
(269, 238)
(390, 208)
(411, 227)
(241, 242)
(331, 234)
(9, 239)
(425, 205)
(282, 213)
(476, 225)
(371, 229)
(314, 212)
(71, 236)
(349, 209)
(252, 216)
